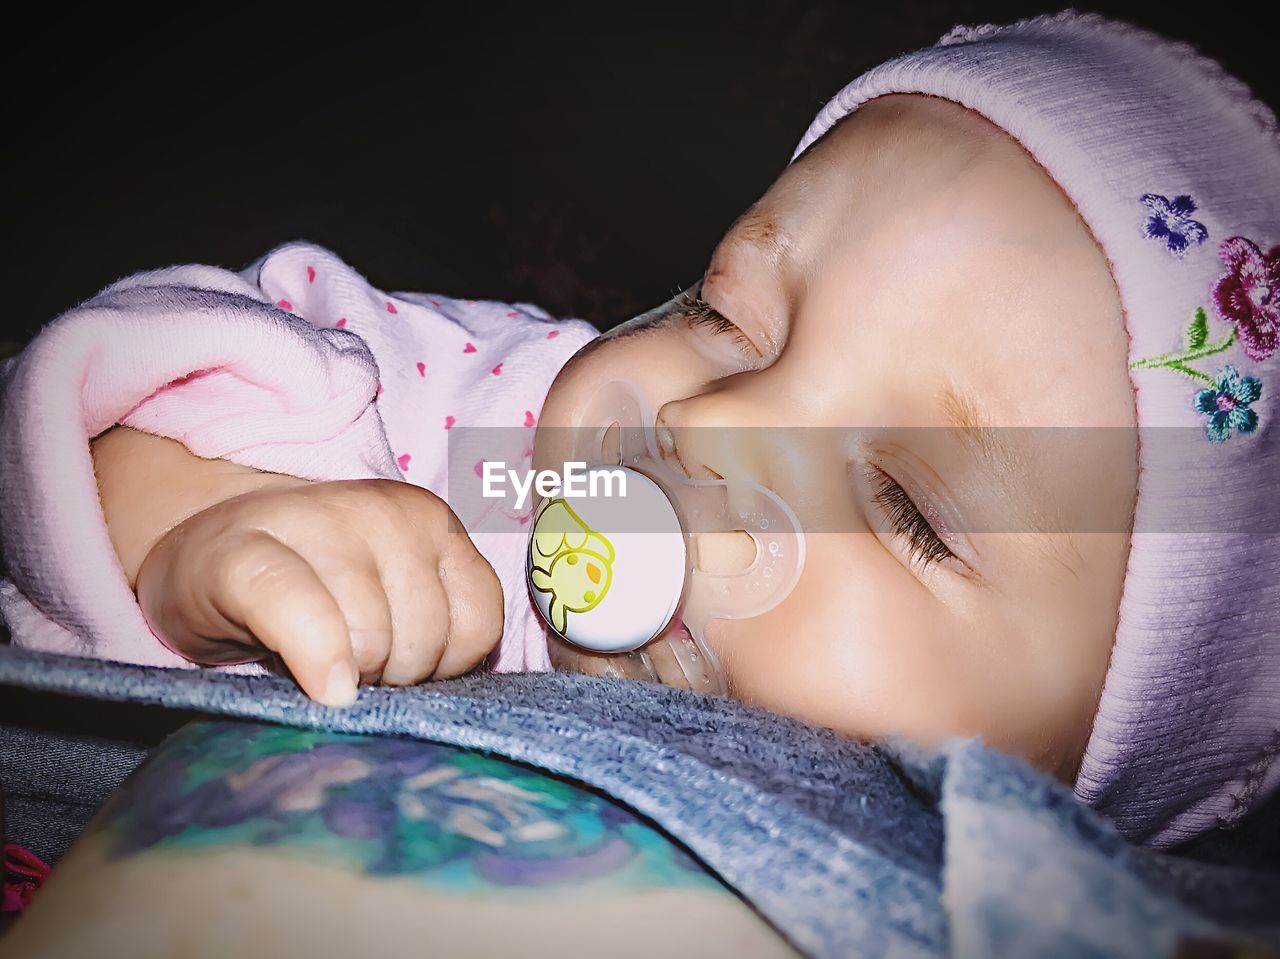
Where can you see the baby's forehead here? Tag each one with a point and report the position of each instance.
(920, 166)
(904, 126)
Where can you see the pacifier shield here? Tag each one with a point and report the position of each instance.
(606, 568)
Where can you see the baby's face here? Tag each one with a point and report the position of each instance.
(915, 269)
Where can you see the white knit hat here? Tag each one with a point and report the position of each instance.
(1176, 170)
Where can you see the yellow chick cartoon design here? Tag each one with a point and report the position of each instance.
(569, 560)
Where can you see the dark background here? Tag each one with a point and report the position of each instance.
(585, 158)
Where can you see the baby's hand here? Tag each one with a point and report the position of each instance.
(366, 579)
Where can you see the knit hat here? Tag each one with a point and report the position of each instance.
(1176, 170)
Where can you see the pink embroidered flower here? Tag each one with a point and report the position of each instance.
(1248, 295)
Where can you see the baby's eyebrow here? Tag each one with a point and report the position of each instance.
(991, 446)
(760, 228)
(967, 416)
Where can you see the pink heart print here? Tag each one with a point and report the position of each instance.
(379, 393)
(311, 274)
(391, 307)
(285, 305)
(479, 467)
(469, 348)
(553, 334)
(449, 421)
(342, 321)
(497, 370)
(403, 462)
(422, 368)
(529, 419)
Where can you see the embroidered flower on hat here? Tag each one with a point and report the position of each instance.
(1170, 221)
(1248, 295)
(1196, 347)
(1227, 403)
(1227, 396)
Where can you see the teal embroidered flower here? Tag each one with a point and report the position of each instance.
(1227, 403)
(1227, 396)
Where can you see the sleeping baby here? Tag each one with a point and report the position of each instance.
(1029, 270)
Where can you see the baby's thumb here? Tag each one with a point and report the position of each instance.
(289, 610)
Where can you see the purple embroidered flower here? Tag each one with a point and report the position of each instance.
(1170, 221)
(1227, 404)
(1248, 295)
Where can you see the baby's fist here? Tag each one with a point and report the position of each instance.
(355, 580)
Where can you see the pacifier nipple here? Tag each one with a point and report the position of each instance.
(635, 544)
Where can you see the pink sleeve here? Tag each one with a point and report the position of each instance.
(194, 353)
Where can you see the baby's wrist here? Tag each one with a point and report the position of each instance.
(148, 484)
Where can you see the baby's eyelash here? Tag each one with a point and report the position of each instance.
(906, 520)
(701, 313)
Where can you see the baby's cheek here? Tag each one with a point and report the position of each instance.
(860, 646)
(865, 657)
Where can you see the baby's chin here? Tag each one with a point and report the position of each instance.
(672, 660)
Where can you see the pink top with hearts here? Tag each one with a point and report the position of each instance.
(296, 365)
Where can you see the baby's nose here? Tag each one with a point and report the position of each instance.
(749, 433)
(715, 436)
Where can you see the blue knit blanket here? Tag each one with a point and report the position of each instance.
(847, 849)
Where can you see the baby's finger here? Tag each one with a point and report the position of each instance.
(356, 583)
(475, 605)
(279, 598)
(420, 611)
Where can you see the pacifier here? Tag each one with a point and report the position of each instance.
(613, 556)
